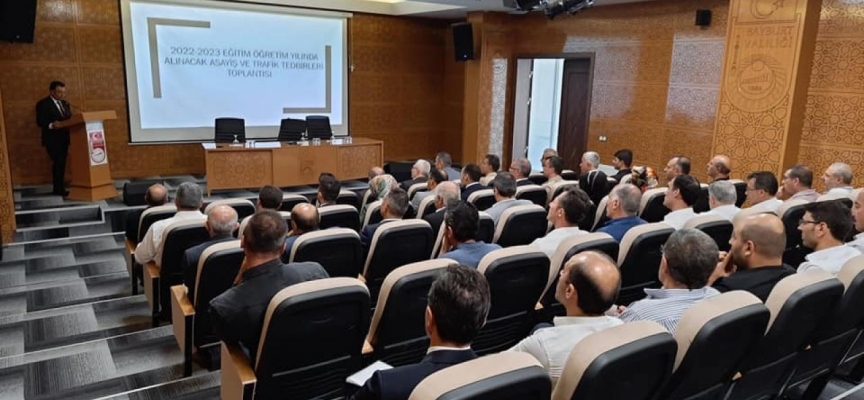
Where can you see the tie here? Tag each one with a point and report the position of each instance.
(62, 109)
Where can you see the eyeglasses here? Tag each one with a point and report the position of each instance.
(803, 221)
(749, 189)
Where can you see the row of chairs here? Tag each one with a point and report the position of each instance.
(290, 130)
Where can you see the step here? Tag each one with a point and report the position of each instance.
(84, 229)
(58, 216)
(202, 387)
(42, 296)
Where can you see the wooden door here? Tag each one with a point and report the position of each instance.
(575, 104)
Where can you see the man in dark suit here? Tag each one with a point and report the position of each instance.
(155, 196)
(471, 180)
(238, 314)
(49, 111)
(328, 189)
(445, 194)
(459, 302)
(521, 170)
(221, 223)
(393, 208)
(304, 219)
(419, 174)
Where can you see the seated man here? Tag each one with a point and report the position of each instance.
(470, 180)
(838, 179)
(797, 184)
(304, 219)
(622, 208)
(443, 161)
(446, 194)
(155, 196)
(521, 170)
(755, 260)
(719, 168)
(328, 189)
(823, 229)
(462, 221)
(393, 208)
(588, 286)
(623, 162)
(675, 167)
(565, 212)
(593, 181)
(552, 168)
(682, 194)
(419, 174)
(489, 168)
(689, 259)
(721, 198)
(188, 202)
(459, 301)
(858, 220)
(269, 198)
(504, 187)
(762, 190)
(436, 177)
(238, 314)
(221, 223)
(375, 171)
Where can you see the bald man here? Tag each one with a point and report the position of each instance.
(221, 223)
(588, 285)
(155, 196)
(755, 261)
(719, 168)
(375, 171)
(304, 219)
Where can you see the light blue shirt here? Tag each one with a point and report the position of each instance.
(666, 306)
(498, 208)
(470, 254)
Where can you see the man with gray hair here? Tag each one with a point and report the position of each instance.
(593, 181)
(721, 199)
(521, 170)
(689, 259)
(393, 207)
(221, 223)
(188, 201)
(504, 188)
(443, 161)
(838, 179)
(622, 207)
(419, 174)
(446, 193)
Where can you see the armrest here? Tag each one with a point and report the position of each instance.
(361, 278)
(367, 348)
(182, 313)
(130, 247)
(151, 277)
(238, 378)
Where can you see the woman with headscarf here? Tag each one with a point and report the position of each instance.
(379, 186)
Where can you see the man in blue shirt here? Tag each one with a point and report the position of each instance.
(621, 208)
(462, 221)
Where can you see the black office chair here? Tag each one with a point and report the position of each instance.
(291, 130)
(227, 128)
(318, 126)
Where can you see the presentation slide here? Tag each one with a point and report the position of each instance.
(190, 62)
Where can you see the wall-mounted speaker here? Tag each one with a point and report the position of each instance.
(703, 17)
(463, 41)
(17, 20)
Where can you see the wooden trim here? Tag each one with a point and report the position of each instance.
(238, 378)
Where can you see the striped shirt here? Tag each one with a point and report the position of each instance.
(665, 306)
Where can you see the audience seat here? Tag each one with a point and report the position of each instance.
(373, 214)
(791, 212)
(651, 208)
(517, 277)
(714, 336)
(427, 206)
(533, 193)
(520, 225)
(177, 237)
(740, 190)
(396, 244)
(598, 241)
(559, 187)
(148, 217)
(627, 179)
(639, 259)
(311, 340)
(350, 198)
(569, 175)
(397, 335)
(745, 212)
(502, 376)
(833, 339)
(366, 198)
(485, 228)
(600, 217)
(338, 250)
(217, 268)
(835, 196)
(537, 178)
(799, 305)
(289, 200)
(718, 227)
(702, 202)
(286, 216)
(642, 353)
(483, 199)
(417, 188)
(339, 216)
(243, 207)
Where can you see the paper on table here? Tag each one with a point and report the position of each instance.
(267, 145)
(360, 377)
(208, 145)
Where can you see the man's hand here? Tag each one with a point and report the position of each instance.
(725, 267)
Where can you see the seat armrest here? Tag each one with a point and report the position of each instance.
(182, 314)
(238, 378)
(151, 280)
(367, 348)
(130, 247)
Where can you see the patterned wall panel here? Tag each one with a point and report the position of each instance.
(7, 202)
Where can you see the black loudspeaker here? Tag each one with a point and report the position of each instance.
(133, 192)
(17, 20)
(703, 17)
(463, 41)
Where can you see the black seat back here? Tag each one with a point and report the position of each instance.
(291, 200)
(639, 259)
(599, 241)
(701, 204)
(318, 126)
(485, 228)
(719, 228)
(652, 209)
(153, 214)
(520, 225)
(291, 130)
(338, 250)
(396, 244)
(217, 269)
(226, 129)
(533, 193)
(339, 216)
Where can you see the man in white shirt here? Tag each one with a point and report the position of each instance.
(797, 182)
(552, 169)
(838, 179)
(489, 168)
(721, 199)
(565, 212)
(719, 168)
(761, 191)
(188, 202)
(436, 177)
(858, 219)
(823, 229)
(504, 187)
(588, 286)
(683, 192)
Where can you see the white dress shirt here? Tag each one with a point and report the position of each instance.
(808, 195)
(549, 243)
(549, 185)
(858, 243)
(728, 211)
(845, 191)
(678, 218)
(486, 180)
(830, 259)
(770, 205)
(552, 346)
(150, 248)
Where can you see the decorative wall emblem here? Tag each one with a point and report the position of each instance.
(757, 83)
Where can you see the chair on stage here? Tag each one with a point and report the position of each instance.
(318, 127)
(292, 130)
(227, 130)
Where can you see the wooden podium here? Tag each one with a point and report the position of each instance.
(88, 156)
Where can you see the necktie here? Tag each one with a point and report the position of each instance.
(62, 109)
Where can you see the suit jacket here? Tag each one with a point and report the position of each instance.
(46, 113)
(435, 219)
(398, 383)
(407, 184)
(238, 314)
(133, 217)
(523, 182)
(190, 262)
(466, 192)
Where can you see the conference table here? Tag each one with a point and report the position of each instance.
(241, 167)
